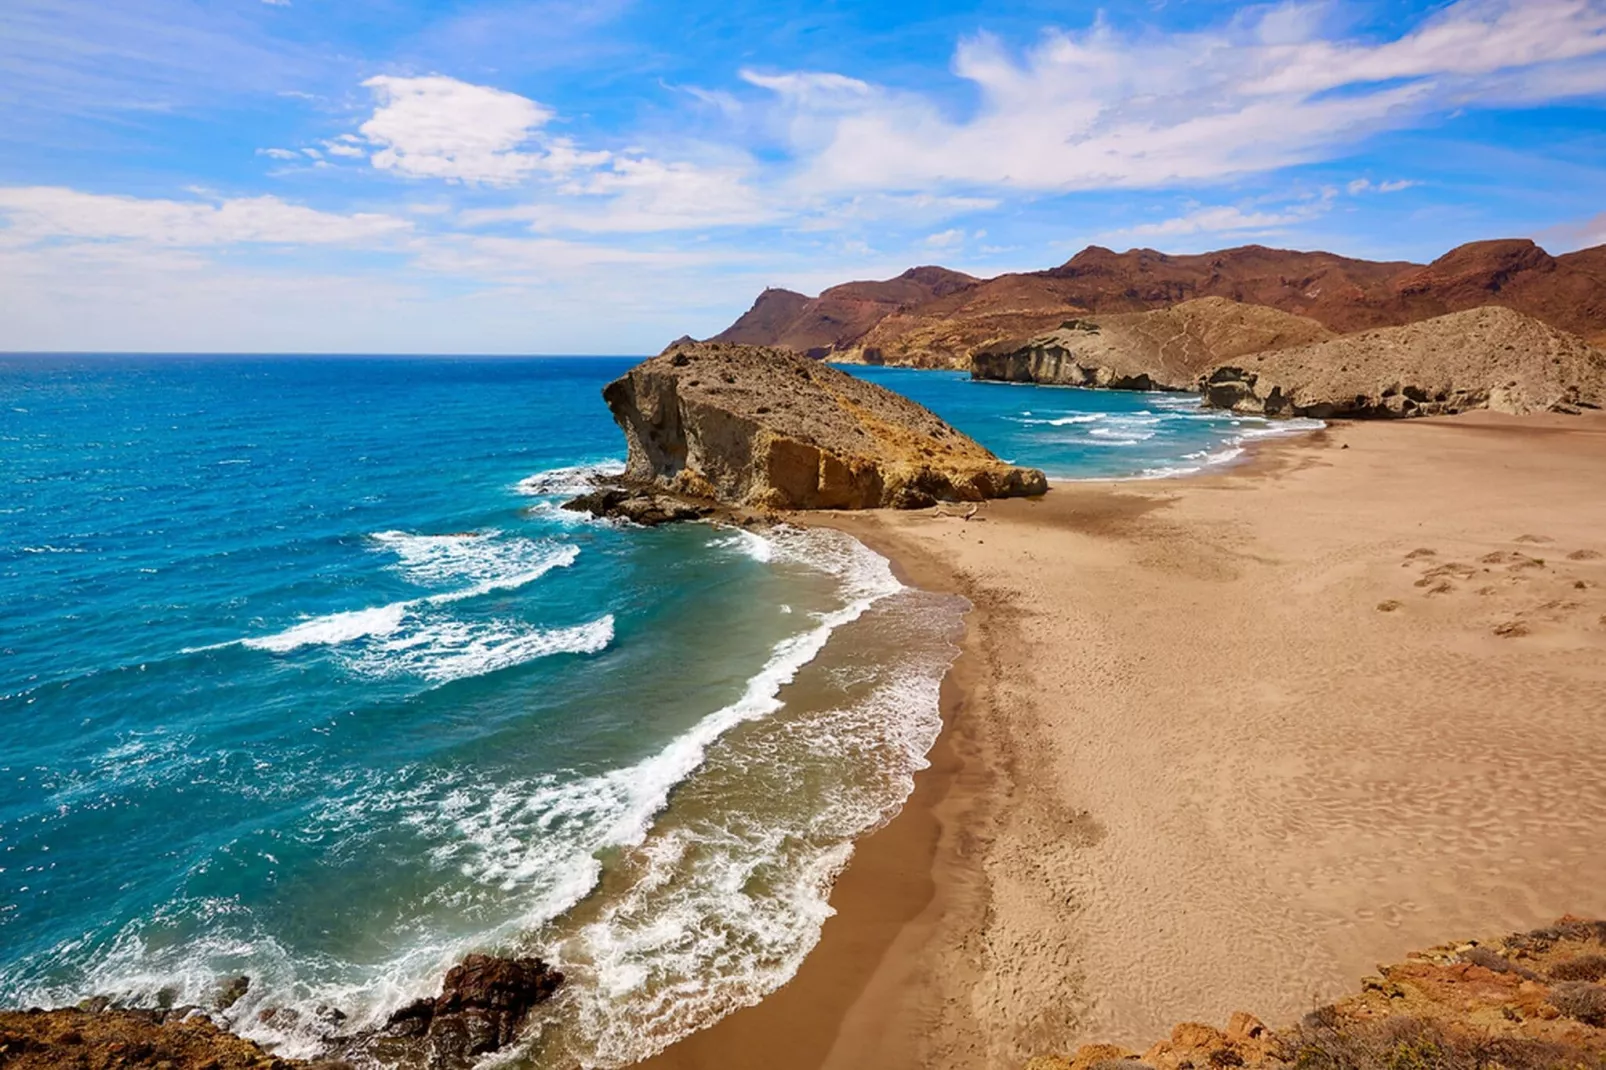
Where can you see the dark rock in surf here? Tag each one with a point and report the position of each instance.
(484, 1003)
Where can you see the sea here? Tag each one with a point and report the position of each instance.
(306, 677)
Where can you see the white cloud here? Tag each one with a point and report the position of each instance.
(1366, 185)
(344, 148)
(1231, 219)
(439, 127)
(1220, 219)
(279, 154)
(34, 214)
(1099, 109)
(946, 239)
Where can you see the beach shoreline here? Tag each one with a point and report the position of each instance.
(1011, 909)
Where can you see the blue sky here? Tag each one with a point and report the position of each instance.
(565, 176)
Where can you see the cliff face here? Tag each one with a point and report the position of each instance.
(1490, 358)
(943, 327)
(1167, 349)
(768, 429)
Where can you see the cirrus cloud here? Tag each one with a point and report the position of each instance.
(35, 214)
(1099, 109)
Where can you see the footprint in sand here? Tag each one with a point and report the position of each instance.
(1511, 629)
(1421, 552)
(1584, 555)
(1390, 606)
(1533, 538)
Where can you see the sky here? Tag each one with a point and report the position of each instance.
(601, 176)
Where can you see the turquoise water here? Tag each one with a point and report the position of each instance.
(304, 676)
(1075, 433)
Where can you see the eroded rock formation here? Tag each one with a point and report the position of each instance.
(1487, 358)
(1167, 349)
(766, 429)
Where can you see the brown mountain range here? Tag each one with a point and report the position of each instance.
(934, 317)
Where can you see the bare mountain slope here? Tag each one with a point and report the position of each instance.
(891, 323)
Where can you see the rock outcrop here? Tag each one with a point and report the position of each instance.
(1487, 358)
(96, 1037)
(1167, 349)
(766, 429)
(484, 1003)
(1532, 1000)
(941, 322)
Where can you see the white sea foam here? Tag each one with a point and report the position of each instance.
(1058, 421)
(448, 649)
(747, 543)
(487, 563)
(485, 560)
(725, 910)
(332, 629)
(569, 480)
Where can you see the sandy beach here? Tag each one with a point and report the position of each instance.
(1226, 742)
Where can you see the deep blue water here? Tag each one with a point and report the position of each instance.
(304, 676)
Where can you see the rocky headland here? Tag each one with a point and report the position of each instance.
(1533, 1000)
(1486, 358)
(1166, 349)
(765, 429)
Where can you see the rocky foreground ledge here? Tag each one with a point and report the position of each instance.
(484, 1004)
(1533, 1001)
(714, 426)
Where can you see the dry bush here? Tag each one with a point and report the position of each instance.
(1582, 1001)
(1493, 960)
(1417, 1044)
(1582, 968)
(1549, 936)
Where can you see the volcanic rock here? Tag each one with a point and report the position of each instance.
(1487, 358)
(766, 429)
(1166, 349)
(483, 1004)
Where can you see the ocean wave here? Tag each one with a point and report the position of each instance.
(540, 843)
(448, 650)
(488, 563)
(483, 559)
(568, 480)
(333, 629)
(1057, 421)
(727, 906)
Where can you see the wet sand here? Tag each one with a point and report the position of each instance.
(1225, 743)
